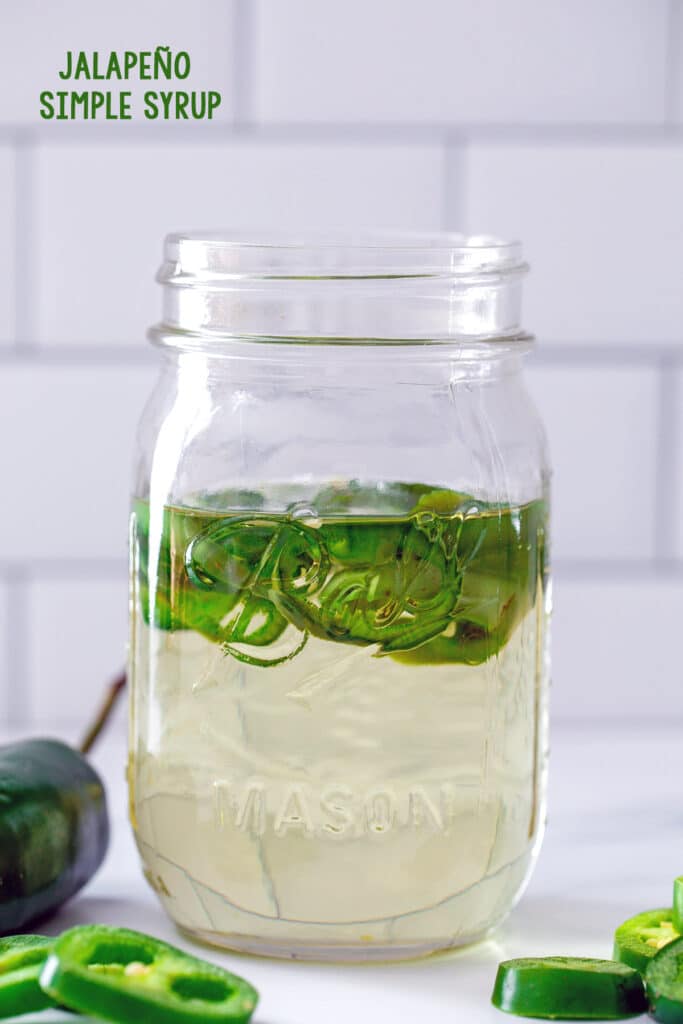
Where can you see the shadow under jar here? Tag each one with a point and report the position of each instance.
(339, 597)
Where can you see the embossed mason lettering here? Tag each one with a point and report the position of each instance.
(293, 813)
(380, 810)
(250, 813)
(423, 808)
(260, 807)
(335, 803)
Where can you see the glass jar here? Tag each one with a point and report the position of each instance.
(339, 596)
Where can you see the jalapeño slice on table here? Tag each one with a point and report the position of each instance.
(21, 960)
(120, 975)
(422, 575)
(664, 982)
(574, 988)
(640, 938)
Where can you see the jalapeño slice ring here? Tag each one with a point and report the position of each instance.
(116, 974)
(21, 960)
(640, 938)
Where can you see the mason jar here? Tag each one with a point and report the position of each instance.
(339, 595)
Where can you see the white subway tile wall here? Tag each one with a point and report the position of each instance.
(602, 226)
(437, 61)
(7, 243)
(87, 614)
(676, 65)
(66, 458)
(615, 648)
(113, 254)
(8, 638)
(602, 430)
(559, 123)
(674, 440)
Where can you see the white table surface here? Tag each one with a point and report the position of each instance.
(614, 843)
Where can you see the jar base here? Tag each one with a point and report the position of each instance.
(332, 952)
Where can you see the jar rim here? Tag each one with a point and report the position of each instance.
(195, 255)
(340, 285)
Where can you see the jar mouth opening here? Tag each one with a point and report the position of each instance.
(193, 256)
(340, 286)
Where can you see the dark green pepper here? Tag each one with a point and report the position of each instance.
(120, 975)
(54, 829)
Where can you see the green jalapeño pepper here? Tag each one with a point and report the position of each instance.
(664, 981)
(575, 988)
(54, 828)
(637, 940)
(21, 960)
(121, 975)
(424, 575)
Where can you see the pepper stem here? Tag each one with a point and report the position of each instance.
(114, 691)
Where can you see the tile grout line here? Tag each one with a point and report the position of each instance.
(24, 233)
(17, 634)
(672, 83)
(591, 354)
(59, 355)
(75, 570)
(665, 463)
(617, 570)
(355, 132)
(243, 64)
(630, 721)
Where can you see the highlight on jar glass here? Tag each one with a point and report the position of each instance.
(339, 595)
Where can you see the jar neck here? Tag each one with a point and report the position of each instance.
(387, 290)
(429, 310)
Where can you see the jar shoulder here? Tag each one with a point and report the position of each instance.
(202, 432)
